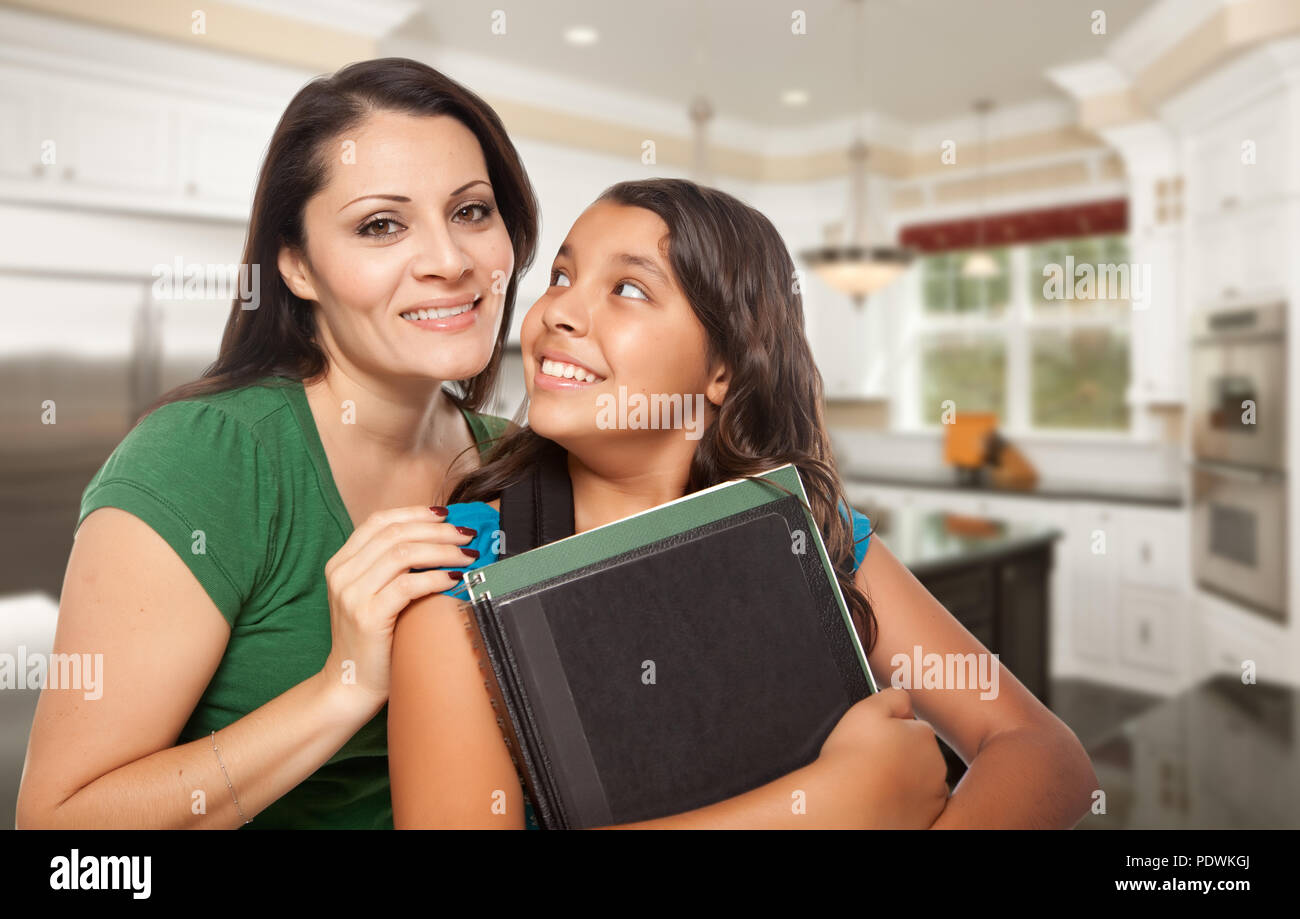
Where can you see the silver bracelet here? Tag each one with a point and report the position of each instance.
(223, 772)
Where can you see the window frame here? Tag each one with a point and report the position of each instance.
(1014, 327)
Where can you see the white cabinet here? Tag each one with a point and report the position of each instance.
(1119, 582)
(20, 141)
(1149, 630)
(1230, 637)
(1241, 181)
(1128, 595)
(1241, 160)
(221, 152)
(1240, 254)
(75, 142)
(1093, 588)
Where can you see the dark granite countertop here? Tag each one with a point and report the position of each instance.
(1056, 489)
(930, 542)
(1222, 755)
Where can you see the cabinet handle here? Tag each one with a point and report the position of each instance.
(1144, 633)
(69, 172)
(1146, 553)
(38, 169)
(1229, 293)
(1229, 202)
(191, 188)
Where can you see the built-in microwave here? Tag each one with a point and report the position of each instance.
(1238, 401)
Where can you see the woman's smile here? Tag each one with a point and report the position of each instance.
(450, 314)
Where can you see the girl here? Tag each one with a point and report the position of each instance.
(666, 287)
(239, 556)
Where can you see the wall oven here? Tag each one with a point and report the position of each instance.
(1239, 481)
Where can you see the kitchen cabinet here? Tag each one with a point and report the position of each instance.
(1118, 589)
(1241, 160)
(127, 148)
(1240, 255)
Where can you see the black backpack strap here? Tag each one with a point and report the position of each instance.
(538, 509)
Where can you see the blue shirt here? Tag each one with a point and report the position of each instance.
(485, 520)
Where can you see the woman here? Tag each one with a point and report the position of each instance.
(650, 292)
(243, 554)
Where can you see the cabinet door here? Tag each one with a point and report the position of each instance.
(1153, 548)
(1093, 544)
(116, 141)
(1023, 620)
(222, 151)
(20, 141)
(1148, 620)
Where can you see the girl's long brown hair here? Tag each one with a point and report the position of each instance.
(278, 338)
(737, 275)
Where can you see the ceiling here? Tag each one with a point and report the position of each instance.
(925, 60)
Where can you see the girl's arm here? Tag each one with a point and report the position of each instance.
(450, 767)
(1025, 768)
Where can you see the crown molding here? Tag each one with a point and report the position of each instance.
(371, 18)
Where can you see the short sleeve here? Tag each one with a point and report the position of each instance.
(486, 522)
(861, 533)
(199, 478)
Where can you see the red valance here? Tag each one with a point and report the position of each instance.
(1093, 218)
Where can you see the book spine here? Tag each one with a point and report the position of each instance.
(492, 684)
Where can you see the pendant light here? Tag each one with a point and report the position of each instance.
(856, 267)
(979, 264)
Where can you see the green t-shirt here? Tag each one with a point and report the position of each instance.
(239, 486)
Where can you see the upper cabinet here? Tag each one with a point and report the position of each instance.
(104, 145)
(1242, 183)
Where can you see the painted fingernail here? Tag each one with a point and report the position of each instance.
(456, 575)
(438, 509)
(466, 531)
(472, 553)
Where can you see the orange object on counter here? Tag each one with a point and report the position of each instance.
(966, 439)
(961, 525)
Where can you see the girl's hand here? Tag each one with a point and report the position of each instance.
(371, 580)
(892, 759)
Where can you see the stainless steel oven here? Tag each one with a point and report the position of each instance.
(1239, 480)
(1239, 532)
(1238, 386)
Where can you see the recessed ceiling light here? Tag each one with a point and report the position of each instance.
(581, 35)
(794, 97)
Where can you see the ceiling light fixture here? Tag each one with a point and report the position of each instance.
(581, 35)
(858, 268)
(979, 264)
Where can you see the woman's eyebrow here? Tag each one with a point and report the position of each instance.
(399, 198)
(402, 199)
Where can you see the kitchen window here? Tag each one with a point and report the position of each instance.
(1043, 357)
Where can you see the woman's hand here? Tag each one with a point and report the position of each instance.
(370, 581)
(892, 759)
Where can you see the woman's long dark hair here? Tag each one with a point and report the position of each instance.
(278, 338)
(737, 275)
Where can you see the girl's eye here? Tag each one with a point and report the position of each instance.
(556, 274)
(629, 284)
(388, 223)
(484, 209)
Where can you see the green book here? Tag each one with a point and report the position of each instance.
(671, 659)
